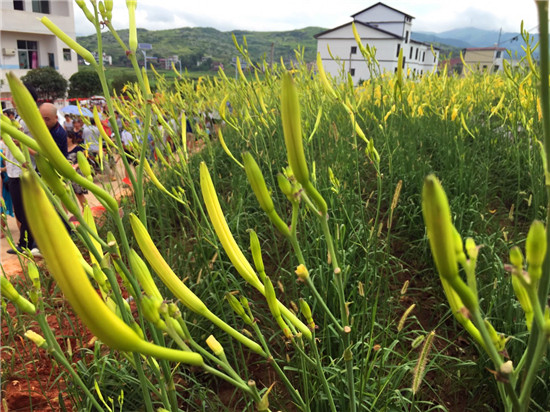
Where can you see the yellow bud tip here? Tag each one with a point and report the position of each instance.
(302, 272)
(214, 345)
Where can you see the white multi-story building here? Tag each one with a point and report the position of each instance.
(381, 27)
(26, 44)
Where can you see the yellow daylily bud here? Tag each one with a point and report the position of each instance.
(14, 132)
(306, 311)
(535, 249)
(151, 311)
(99, 126)
(85, 10)
(61, 35)
(63, 262)
(177, 287)
(437, 218)
(28, 110)
(132, 29)
(323, 76)
(256, 250)
(222, 230)
(83, 164)
(9, 292)
(37, 339)
(516, 258)
(238, 308)
(274, 306)
(13, 148)
(142, 274)
(302, 272)
(292, 127)
(471, 248)
(157, 183)
(498, 339)
(259, 188)
(214, 345)
(285, 186)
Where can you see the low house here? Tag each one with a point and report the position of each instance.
(27, 44)
(381, 27)
(485, 59)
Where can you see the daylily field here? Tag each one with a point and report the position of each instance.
(292, 242)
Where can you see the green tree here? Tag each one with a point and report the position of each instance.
(84, 83)
(48, 82)
(120, 81)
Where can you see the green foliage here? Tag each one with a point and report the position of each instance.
(84, 83)
(48, 82)
(190, 44)
(121, 80)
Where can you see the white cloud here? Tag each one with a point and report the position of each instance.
(280, 15)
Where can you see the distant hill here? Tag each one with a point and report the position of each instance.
(472, 37)
(191, 44)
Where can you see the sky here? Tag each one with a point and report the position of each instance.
(282, 15)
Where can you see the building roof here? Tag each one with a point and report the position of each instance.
(381, 4)
(362, 24)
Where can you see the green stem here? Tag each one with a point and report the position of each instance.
(55, 350)
(322, 376)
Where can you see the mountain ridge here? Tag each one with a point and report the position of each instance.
(198, 47)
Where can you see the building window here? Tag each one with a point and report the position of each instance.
(395, 70)
(352, 72)
(423, 56)
(484, 67)
(18, 5)
(495, 68)
(498, 54)
(28, 54)
(41, 6)
(411, 53)
(67, 55)
(416, 55)
(398, 48)
(353, 50)
(51, 60)
(407, 36)
(404, 61)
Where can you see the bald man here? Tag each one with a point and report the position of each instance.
(59, 134)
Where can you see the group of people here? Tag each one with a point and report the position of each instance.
(70, 138)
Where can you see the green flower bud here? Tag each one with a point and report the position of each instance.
(132, 30)
(257, 254)
(9, 292)
(306, 311)
(83, 164)
(535, 249)
(151, 311)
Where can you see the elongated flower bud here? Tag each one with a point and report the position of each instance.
(85, 54)
(292, 127)
(437, 218)
(306, 311)
(238, 308)
(12, 147)
(99, 126)
(64, 265)
(85, 10)
(14, 132)
(274, 306)
(323, 76)
(151, 306)
(256, 250)
(232, 249)
(177, 287)
(9, 292)
(222, 230)
(28, 110)
(142, 274)
(37, 339)
(214, 345)
(132, 29)
(256, 180)
(83, 164)
(535, 249)
(498, 339)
